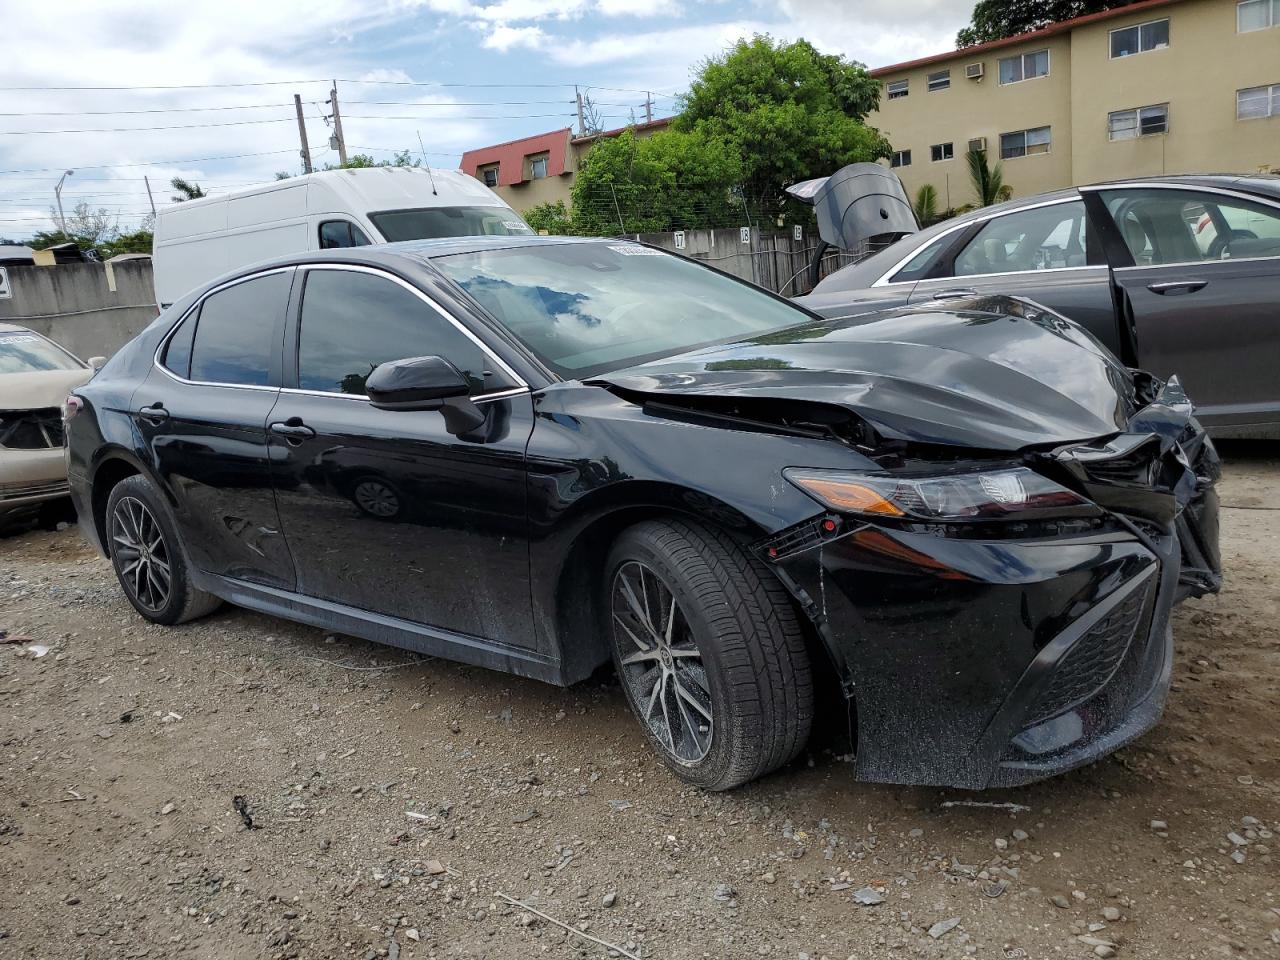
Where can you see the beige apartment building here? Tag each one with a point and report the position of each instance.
(1156, 87)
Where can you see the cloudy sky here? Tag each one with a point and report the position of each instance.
(80, 83)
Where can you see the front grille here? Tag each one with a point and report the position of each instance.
(1092, 661)
(21, 491)
(31, 429)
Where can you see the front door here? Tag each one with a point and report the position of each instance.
(385, 510)
(203, 417)
(1202, 287)
(1048, 254)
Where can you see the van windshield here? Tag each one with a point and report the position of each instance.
(427, 222)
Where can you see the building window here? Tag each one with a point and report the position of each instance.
(941, 151)
(1256, 103)
(1024, 143)
(1025, 66)
(1140, 122)
(896, 90)
(900, 158)
(939, 81)
(538, 168)
(490, 176)
(1257, 15)
(1139, 38)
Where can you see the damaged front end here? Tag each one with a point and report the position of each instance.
(1000, 622)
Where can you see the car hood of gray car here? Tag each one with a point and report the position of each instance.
(990, 373)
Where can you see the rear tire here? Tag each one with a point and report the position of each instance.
(148, 557)
(709, 651)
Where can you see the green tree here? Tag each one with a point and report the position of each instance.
(926, 204)
(358, 161)
(988, 181)
(671, 180)
(997, 19)
(787, 111)
(139, 241)
(551, 217)
(187, 190)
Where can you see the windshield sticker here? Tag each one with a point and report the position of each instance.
(516, 225)
(636, 251)
(19, 338)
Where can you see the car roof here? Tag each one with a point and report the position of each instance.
(13, 328)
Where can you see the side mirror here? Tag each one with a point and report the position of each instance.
(97, 362)
(418, 383)
(425, 383)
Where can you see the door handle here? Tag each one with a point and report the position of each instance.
(293, 428)
(1175, 288)
(956, 294)
(154, 413)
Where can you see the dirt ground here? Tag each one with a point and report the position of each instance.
(397, 804)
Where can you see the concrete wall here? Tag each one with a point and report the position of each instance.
(74, 305)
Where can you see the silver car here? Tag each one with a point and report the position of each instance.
(1176, 275)
(36, 375)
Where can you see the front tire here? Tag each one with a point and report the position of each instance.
(709, 651)
(147, 555)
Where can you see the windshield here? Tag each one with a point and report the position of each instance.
(585, 308)
(23, 352)
(427, 222)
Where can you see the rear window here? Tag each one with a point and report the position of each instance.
(237, 336)
(428, 222)
(25, 352)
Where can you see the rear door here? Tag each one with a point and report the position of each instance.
(202, 413)
(1200, 277)
(1048, 253)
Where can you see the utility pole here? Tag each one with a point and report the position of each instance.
(340, 143)
(302, 135)
(582, 127)
(648, 107)
(57, 193)
(149, 196)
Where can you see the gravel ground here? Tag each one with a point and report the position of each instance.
(397, 804)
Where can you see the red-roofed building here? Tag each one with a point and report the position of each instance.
(1153, 87)
(540, 168)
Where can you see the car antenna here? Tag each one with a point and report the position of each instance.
(426, 163)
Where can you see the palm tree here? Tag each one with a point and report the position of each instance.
(988, 181)
(926, 205)
(187, 189)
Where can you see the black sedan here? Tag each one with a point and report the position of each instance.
(539, 455)
(1175, 275)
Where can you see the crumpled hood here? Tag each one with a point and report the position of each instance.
(992, 373)
(42, 388)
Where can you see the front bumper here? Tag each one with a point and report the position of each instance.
(29, 477)
(976, 663)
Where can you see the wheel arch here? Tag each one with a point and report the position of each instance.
(112, 465)
(573, 603)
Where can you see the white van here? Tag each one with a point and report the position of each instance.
(198, 240)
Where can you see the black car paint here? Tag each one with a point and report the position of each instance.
(494, 560)
(1218, 332)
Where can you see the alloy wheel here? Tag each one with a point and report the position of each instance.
(140, 553)
(661, 663)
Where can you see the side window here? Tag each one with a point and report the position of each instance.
(341, 233)
(177, 355)
(238, 334)
(352, 322)
(1183, 226)
(919, 266)
(1044, 238)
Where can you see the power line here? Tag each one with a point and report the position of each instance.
(385, 83)
(147, 163)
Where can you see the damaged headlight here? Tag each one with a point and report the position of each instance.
(1012, 493)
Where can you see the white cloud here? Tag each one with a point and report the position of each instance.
(503, 38)
(638, 8)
